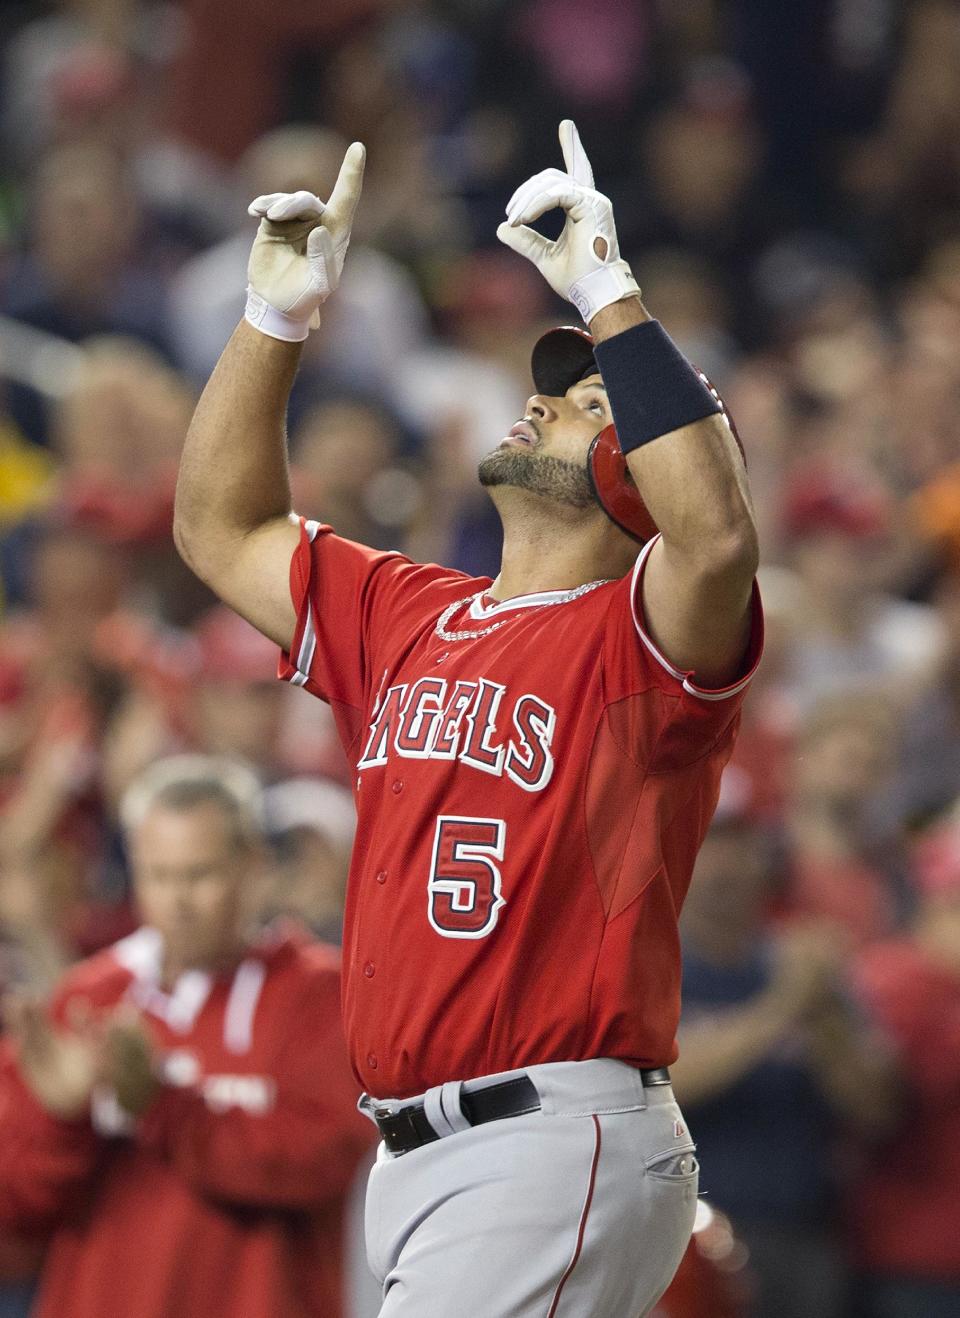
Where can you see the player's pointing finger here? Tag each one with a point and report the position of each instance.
(574, 156)
(346, 191)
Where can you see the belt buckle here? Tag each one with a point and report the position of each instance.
(400, 1130)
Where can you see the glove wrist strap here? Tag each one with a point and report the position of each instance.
(601, 287)
(268, 320)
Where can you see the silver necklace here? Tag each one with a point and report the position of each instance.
(447, 614)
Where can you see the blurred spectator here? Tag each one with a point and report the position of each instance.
(480, 375)
(346, 461)
(229, 91)
(118, 431)
(697, 184)
(123, 419)
(367, 94)
(927, 777)
(594, 61)
(903, 177)
(377, 316)
(818, 75)
(853, 631)
(237, 707)
(73, 72)
(776, 1066)
(692, 305)
(550, 58)
(236, 704)
(824, 311)
(311, 825)
(213, 691)
(845, 860)
(82, 273)
(188, 1102)
(465, 391)
(61, 688)
(906, 1206)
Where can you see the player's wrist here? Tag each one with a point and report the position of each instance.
(601, 287)
(617, 317)
(275, 324)
(652, 388)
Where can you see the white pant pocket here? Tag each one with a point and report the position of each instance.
(679, 1166)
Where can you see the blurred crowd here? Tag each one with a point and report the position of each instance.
(786, 182)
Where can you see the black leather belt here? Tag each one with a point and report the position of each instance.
(409, 1128)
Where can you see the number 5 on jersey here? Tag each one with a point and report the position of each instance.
(463, 895)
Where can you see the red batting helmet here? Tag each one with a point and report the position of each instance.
(560, 358)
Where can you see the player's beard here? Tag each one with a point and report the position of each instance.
(553, 478)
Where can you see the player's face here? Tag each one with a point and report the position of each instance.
(191, 882)
(546, 451)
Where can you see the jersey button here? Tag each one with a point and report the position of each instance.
(372, 1061)
(369, 970)
(381, 876)
(397, 785)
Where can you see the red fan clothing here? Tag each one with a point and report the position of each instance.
(848, 892)
(907, 1207)
(700, 1289)
(533, 780)
(227, 1196)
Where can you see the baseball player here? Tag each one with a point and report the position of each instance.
(536, 760)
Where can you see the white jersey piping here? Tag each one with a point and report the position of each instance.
(724, 693)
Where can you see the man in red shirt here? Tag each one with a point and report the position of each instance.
(536, 760)
(906, 1209)
(185, 1129)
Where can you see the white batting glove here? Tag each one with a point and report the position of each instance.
(584, 264)
(298, 253)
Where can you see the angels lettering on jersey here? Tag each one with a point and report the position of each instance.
(432, 719)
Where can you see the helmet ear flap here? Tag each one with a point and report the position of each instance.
(613, 487)
(614, 490)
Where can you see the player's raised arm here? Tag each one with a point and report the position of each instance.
(233, 523)
(698, 579)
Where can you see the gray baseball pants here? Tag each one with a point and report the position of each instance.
(580, 1210)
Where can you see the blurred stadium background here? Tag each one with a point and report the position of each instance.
(786, 181)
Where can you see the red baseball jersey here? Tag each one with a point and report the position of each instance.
(533, 779)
